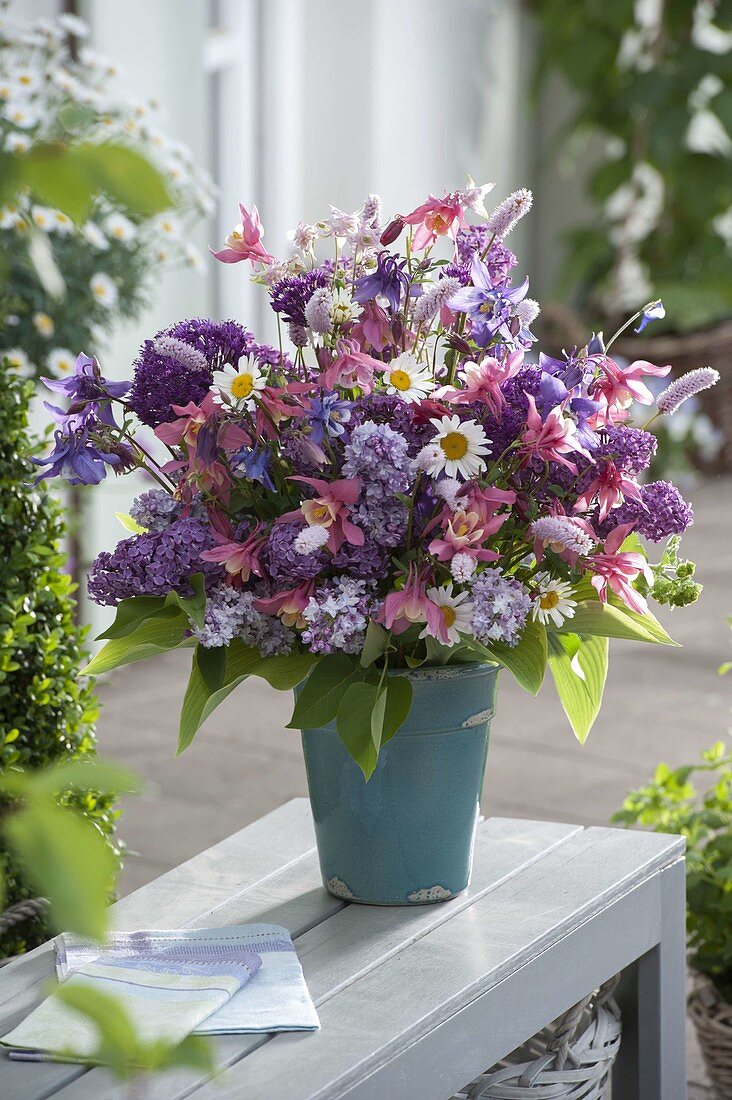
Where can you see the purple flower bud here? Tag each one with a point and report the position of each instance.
(392, 230)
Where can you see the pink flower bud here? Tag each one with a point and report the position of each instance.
(392, 230)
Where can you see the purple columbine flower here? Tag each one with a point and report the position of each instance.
(654, 311)
(88, 391)
(327, 416)
(253, 463)
(77, 459)
(553, 392)
(489, 308)
(389, 279)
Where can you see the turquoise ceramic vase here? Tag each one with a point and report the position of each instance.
(406, 836)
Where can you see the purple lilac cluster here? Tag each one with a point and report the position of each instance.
(379, 457)
(501, 605)
(230, 614)
(268, 356)
(631, 449)
(284, 564)
(384, 409)
(499, 261)
(661, 512)
(155, 510)
(162, 380)
(506, 428)
(369, 562)
(337, 616)
(153, 564)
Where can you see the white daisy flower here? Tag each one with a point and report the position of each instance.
(43, 324)
(26, 80)
(21, 115)
(167, 225)
(104, 289)
(62, 223)
(17, 143)
(237, 387)
(194, 257)
(93, 235)
(456, 612)
(345, 309)
(60, 361)
(408, 379)
(462, 445)
(43, 218)
(552, 600)
(120, 228)
(18, 360)
(10, 216)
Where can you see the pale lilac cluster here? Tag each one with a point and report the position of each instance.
(337, 616)
(379, 456)
(500, 607)
(154, 564)
(285, 564)
(661, 512)
(155, 510)
(230, 614)
(384, 520)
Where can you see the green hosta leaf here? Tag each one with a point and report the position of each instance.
(68, 861)
(282, 672)
(393, 703)
(211, 664)
(607, 621)
(354, 725)
(318, 702)
(579, 673)
(193, 606)
(527, 660)
(376, 643)
(132, 612)
(151, 636)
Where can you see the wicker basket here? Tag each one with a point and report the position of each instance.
(571, 1059)
(22, 910)
(713, 1022)
(710, 347)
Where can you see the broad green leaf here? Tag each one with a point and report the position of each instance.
(282, 672)
(579, 676)
(212, 665)
(649, 628)
(375, 643)
(527, 660)
(152, 636)
(391, 710)
(57, 176)
(92, 774)
(354, 725)
(106, 1012)
(68, 861)
(321, 694)
(193, 606)
(124, 175)
(131, 613)
(606, 621)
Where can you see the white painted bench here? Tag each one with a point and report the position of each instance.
(415, 1002)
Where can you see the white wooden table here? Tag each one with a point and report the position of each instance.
(416, 1001)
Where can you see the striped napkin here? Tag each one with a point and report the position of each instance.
(277, 999)
(167, 994)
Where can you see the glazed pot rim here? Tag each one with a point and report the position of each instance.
(432, 673)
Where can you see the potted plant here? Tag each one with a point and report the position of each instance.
(382, 517)
(650, 86)
(671, 803)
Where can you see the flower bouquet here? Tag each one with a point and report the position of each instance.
(381, 514)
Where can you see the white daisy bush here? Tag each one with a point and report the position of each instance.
(52, 86)
(403, 480)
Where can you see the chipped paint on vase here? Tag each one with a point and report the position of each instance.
(414, 822)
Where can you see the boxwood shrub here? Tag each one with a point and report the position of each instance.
(47, 711)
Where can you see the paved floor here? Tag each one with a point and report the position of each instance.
(660, 704)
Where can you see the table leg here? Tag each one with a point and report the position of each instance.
(652, 1061)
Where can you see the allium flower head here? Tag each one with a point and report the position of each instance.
(685, 387)
(290, 295)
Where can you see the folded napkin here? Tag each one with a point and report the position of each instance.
(167, 994)
(276, 1000)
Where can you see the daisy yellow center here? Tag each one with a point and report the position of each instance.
(400, 380)
(454, 444)
(242, 386)
(449, 616)
(548, 600)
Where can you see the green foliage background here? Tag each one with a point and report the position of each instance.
(47, 712)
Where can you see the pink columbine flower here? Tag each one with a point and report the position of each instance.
(611, 486)
(373, 327)
(240, 559)
(615, 570)
(620, 386)
(436, 218)
(330, 510)
(551, 439)
(288, 604)
(471, 524)
(245, 241)
(189, 421)
(351, 367)
(482, 382)
(411, 605)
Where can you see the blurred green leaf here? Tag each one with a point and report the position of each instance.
(126, 176)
